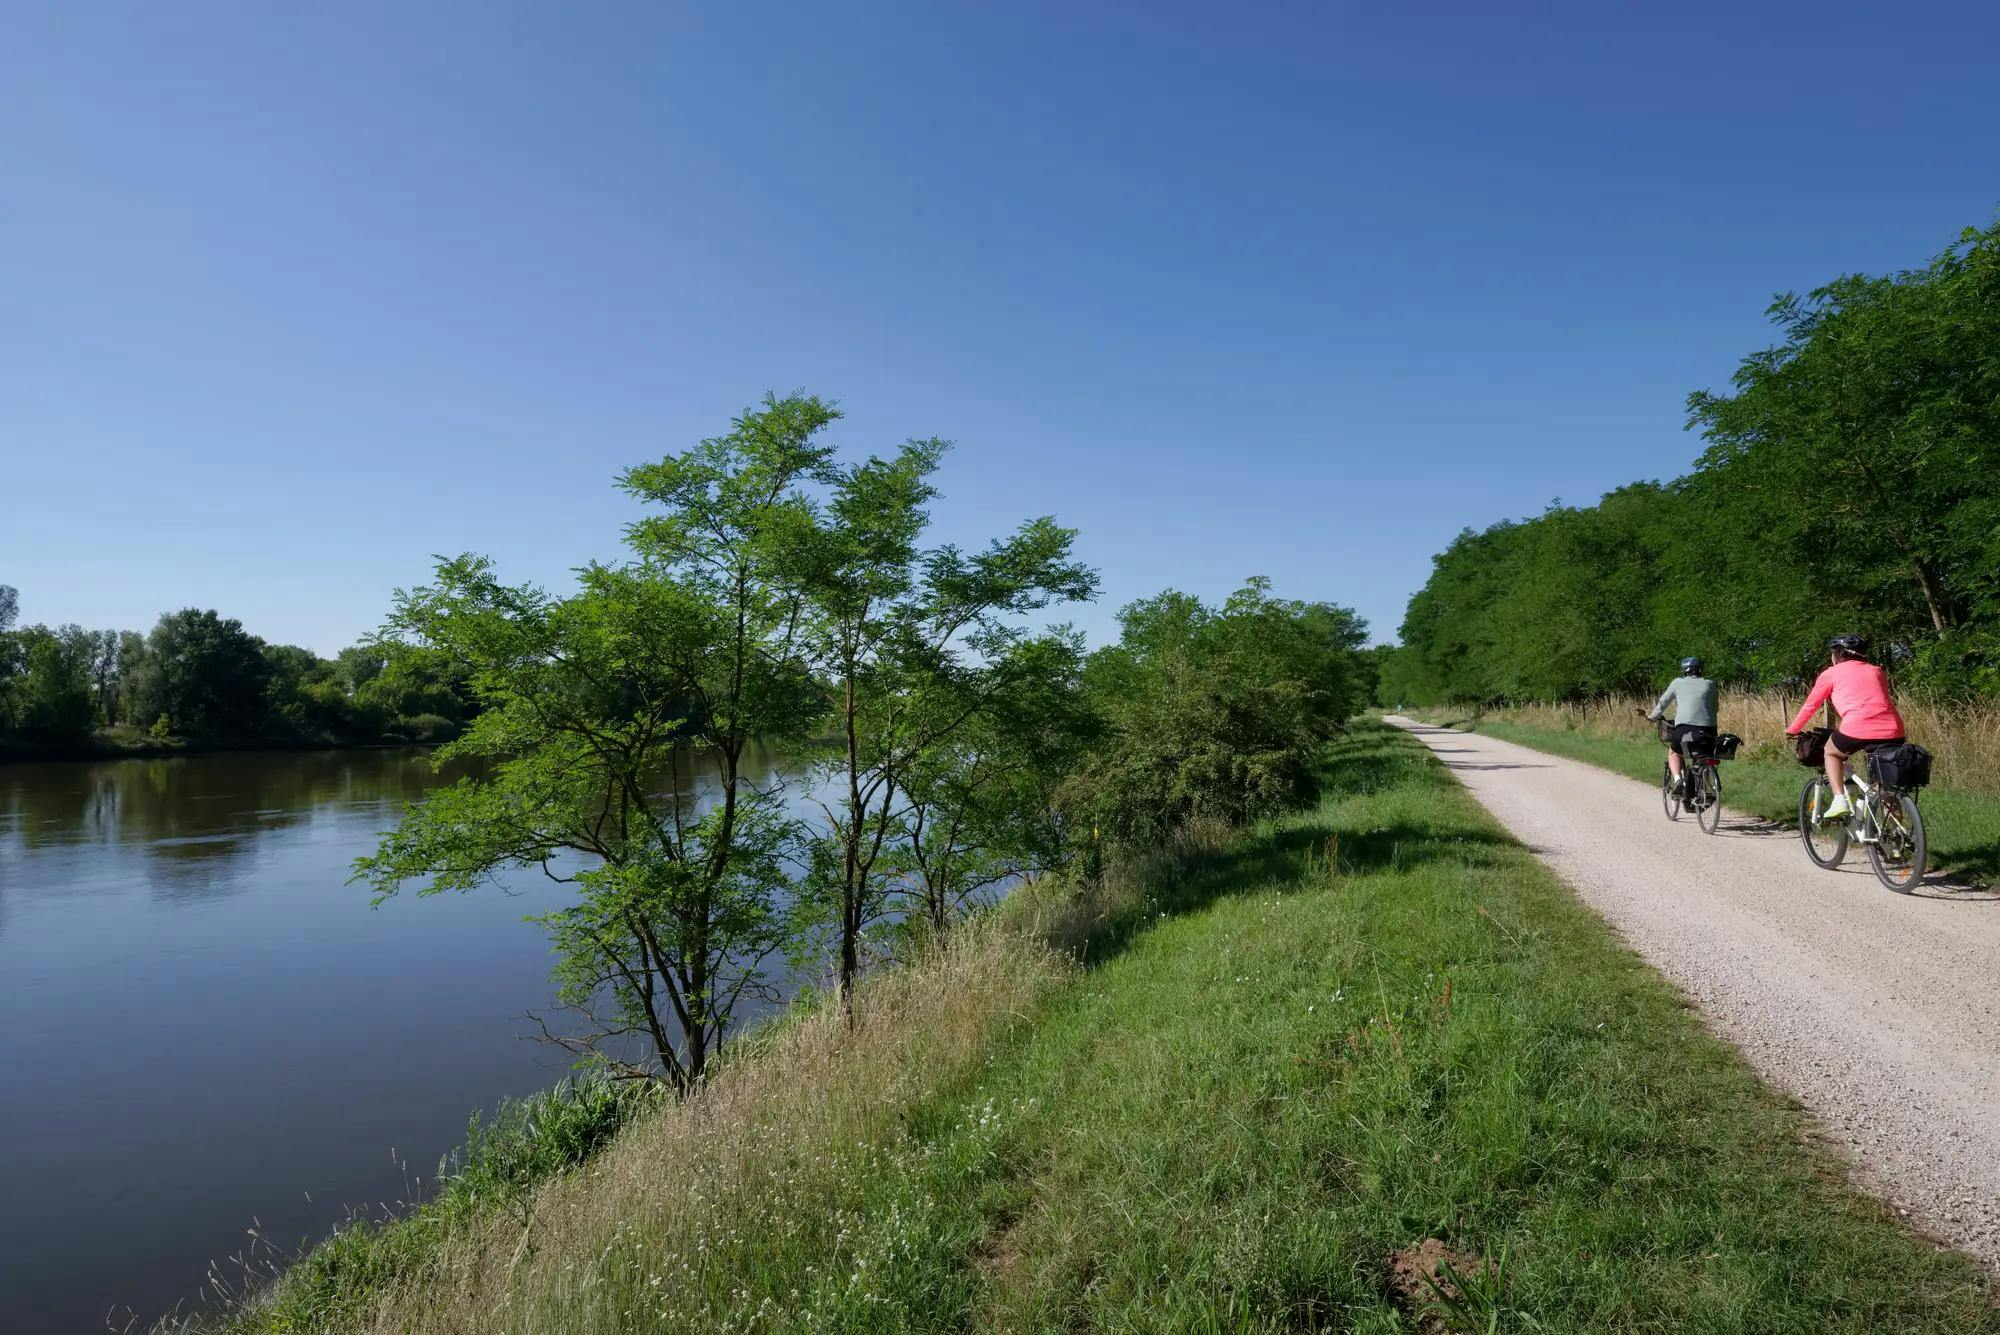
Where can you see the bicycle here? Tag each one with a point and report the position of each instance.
(1701, 766)
(1883, 815)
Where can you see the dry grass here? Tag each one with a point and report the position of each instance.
(1964, 739)
(751, 1162)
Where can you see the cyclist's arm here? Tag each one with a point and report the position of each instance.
(1660, 705)
(1822, 689)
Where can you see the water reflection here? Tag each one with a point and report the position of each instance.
(202, 1021)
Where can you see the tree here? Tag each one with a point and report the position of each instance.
(593, 709)
(982, 803)
(914, 645)
(104, 675)
(1215, 713)
(53, 693)
(10, 653)
(201, 673)
(1865, 441)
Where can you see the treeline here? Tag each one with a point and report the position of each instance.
(775, 593)
(197, 676)
(1851, 482)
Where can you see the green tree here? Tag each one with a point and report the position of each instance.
(1215, 713)
(10, 653)
(914, 645)
(593, 709)
(53, 696)
(203, 674)
(983, 801)
(1865, 442)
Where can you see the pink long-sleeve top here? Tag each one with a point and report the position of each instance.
(1860, 695)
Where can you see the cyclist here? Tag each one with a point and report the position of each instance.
(1867, 716)
(1693, 698)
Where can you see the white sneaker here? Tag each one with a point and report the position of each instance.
(1838, 809)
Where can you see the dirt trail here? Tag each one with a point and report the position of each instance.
(1880, 1012)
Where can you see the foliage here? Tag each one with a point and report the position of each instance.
(592, 705)
(203, 673)
(1852, 482)
(1214, 713)
(921, 650)
(200, 675)
(52, 696)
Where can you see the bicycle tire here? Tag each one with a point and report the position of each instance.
(1898, 855)
(1708, 808)
(1669, 799)
(1834, 835)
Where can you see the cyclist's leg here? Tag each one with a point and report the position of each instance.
(1836, 774)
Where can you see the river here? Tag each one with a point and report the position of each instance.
(204, 1028)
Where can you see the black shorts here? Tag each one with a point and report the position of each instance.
(1847, 746)
(1678, 733)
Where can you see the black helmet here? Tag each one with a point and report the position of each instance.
(1691, 666)
(1854, 646)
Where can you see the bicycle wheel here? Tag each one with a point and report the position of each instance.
(1669, 799)
(1708, 805)
(1826, 844)
(1899, 850)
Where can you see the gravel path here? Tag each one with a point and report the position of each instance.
(1878, 1011)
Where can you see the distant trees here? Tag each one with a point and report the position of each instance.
(201, 676)
(53, 694)
(1852, 481)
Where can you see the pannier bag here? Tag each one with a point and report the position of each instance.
(1905, 766)
(1811, 747)
(1725, 745)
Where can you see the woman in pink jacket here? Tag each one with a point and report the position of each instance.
(1867, 716)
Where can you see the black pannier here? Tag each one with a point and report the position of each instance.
(1712, 745)
(1810, 747)
(1901, 767)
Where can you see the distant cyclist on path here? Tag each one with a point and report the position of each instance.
(1693, 698)
(1867, 716)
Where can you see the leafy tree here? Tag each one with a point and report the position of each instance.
(983, 802)
(104, 675)
(914, 645)
(1215, 713)
(201, 673)
(53, 692)
(591, 708)
(1852, 482)
(10, 653)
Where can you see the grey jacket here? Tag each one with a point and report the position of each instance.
(1693, 699)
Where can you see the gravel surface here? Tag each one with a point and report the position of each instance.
(1876, 1010)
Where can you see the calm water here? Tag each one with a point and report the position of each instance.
(202, 1024)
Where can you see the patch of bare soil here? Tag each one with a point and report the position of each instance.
(1412, 1272)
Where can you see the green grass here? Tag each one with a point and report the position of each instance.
(1348, 1031)
(1963, 828)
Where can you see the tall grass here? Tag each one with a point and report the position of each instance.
(1963, 738)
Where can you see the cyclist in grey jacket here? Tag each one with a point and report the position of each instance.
(1693, 698)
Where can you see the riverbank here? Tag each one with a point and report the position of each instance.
(1962, 824)
(130, 744)
(1261, 1082)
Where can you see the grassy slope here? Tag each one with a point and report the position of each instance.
(1371, 1023)
(1963, 828)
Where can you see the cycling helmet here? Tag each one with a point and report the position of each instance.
(1691, 666)
(1854, 646)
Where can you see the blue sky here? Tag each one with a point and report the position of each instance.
(297, 299)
